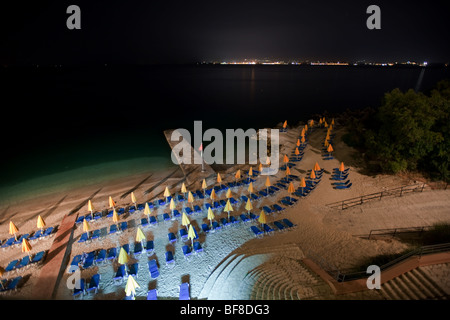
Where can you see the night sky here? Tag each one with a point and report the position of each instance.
(147, 32)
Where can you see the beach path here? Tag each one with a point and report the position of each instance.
(55, 261)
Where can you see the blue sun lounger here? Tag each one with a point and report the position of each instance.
(277, 208)
(112, 229)
(267, 229)
(205, 228)
(244, 199)
(279, 225)
(12, 265)
(153, 220)
(137, 249)
(153, 269)
(89, 260)
(144, 222)
(133, 269)
(120, 274)
(288, 223)
(112, 253)
(101, 256)
(13, 284)
(267, 210)
(188, 210)
(197, 209)
(184, 291)
(186, 251)
(8, 242)
(94, 283)
(256, 231)
(183, 234)
(83, 238)
(25, 261)
(216, 226)
(166, 217)
(176, 213)
(152, 294)
(126, 247)
(75, 262)
(19, 241)
(172, 237)
(254, 196)
(200, 194)
(340, 183)
(233, 220)
(38, 257)
(79, 291)
(124, 226)
(36, 235)
(233, 200)
(263, 193)
(95, 234)
(244, 218)
(225, 222)
(150, 247)
(197, 247)
(343, 186)
(169, 258)
(79, 219)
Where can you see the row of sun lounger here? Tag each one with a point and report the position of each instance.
(280, 225)
(39, 234)
(26, 261)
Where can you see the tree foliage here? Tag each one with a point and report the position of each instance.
(410, 131)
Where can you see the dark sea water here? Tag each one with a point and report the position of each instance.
(58, 120)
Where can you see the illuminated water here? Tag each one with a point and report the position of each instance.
(62, 125)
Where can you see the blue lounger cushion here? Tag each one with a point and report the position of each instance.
(256, 231)
(197, 247)
(184, 291)
(94, 283)
(152, 294)
(169, 257)
(153, 269)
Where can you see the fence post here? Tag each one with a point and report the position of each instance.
(381, 195)
(401, 191)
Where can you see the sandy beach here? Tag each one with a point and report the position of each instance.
(323, 232)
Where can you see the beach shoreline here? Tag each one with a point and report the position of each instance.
(321, 231)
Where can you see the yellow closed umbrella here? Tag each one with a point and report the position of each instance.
(204, 186)
(288, 171)
(285, 124)
(248, 205)
(26, 247)
(341, 169)
(131, 286)
(303, 140)
(296, 152)
(330, 149)
(238, 174)
(191, 199)
(267, 184)
(172, 205)
(262, 217)
(285, 158)
(40, 223)
(250, 172)
(260, 168)
(298, 142)
(213, 196)
(86, 227)
(185, 220)
(115, 216)
(320, 121)
(302, 184)
(134, 200)
(219, 178)
(229, 195)
(228, 208)
(166, 193)
(250, 188)
(316, 167)
(147, 210)
(313, 174)
(291, 189)
(90, 207)
(13, 229)
(210, 215)
(112, 204)
(183, 189)
(191, 234)
(123, 256)
(140, 236)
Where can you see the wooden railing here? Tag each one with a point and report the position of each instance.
(396, 192)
